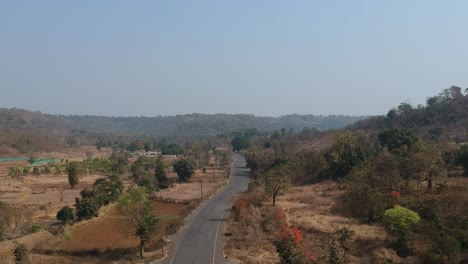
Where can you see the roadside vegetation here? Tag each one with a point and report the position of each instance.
(399, 172)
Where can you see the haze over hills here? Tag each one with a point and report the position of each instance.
(31, 131)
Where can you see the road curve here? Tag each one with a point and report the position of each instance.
(201, 239)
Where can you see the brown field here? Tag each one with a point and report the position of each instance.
(109, 238)
(114, 231)
(191, 190)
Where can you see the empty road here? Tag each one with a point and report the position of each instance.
(201, 240)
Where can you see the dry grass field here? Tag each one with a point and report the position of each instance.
(316, 210)
(109, 238)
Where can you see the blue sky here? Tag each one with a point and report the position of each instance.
(148, 58)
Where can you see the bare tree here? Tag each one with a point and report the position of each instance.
(14, 218)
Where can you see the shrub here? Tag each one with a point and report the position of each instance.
(36, 228)
(400, 221)
(66, 215)
(25, 170)
(21, 253)
(449, 247)
(290, 247)
(36, 171)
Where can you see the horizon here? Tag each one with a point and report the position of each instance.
(115, 58)
(186, 114)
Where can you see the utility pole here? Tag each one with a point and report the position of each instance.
(201, 188)
(214, 169)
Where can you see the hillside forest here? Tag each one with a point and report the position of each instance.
(406, 172)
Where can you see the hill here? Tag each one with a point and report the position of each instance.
(29, 131)
(445, 116)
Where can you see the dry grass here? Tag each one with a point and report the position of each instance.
(191, 190)
(315, 209)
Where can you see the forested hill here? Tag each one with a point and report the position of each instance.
(445, 116)
(27, 131)
(191, 124)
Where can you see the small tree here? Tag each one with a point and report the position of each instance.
(15, 218)
(276, 183)
(36, 171)
(21, 253)
(400, 221)
(72, 170)
(136, 206)
(66, 215)
(184, 169)
(290, 247)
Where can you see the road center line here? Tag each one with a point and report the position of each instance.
(216, 237)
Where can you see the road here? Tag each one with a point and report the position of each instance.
(201, 240)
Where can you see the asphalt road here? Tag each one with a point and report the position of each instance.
(201, 240)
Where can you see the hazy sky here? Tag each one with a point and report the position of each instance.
(132, 58)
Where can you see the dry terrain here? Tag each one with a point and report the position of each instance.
(316, 210)
(109, 238)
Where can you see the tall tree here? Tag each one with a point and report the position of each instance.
(136, 206)
(160, 174)
(73, 174)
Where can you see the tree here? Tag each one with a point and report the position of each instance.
(14, 218)
(72, 170)
(136, 206)
(396, 138)
(184, 169)
(239, 142)
(276, 182)
(400, 221)
(463, 158)
(348, 151)
(66, 215)
(107, 190)
(160, 174)
(87, 207)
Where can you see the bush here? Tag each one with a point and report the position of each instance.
(66, 215)
(36, 171)
(400, 221)
(47, 169)
(21, 253)
(36, 228)
(449, 247)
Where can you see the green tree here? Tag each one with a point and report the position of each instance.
(347, 152)
(184, 169)
(66, 215)
(397, 138)
(73, 173)
(135, 205)
(87, 207)
(107, 190)
(160, 174)
(449, 247)
(32, 160)
(239, 142)
(276, 182)
(400, 221)
(463, 158)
